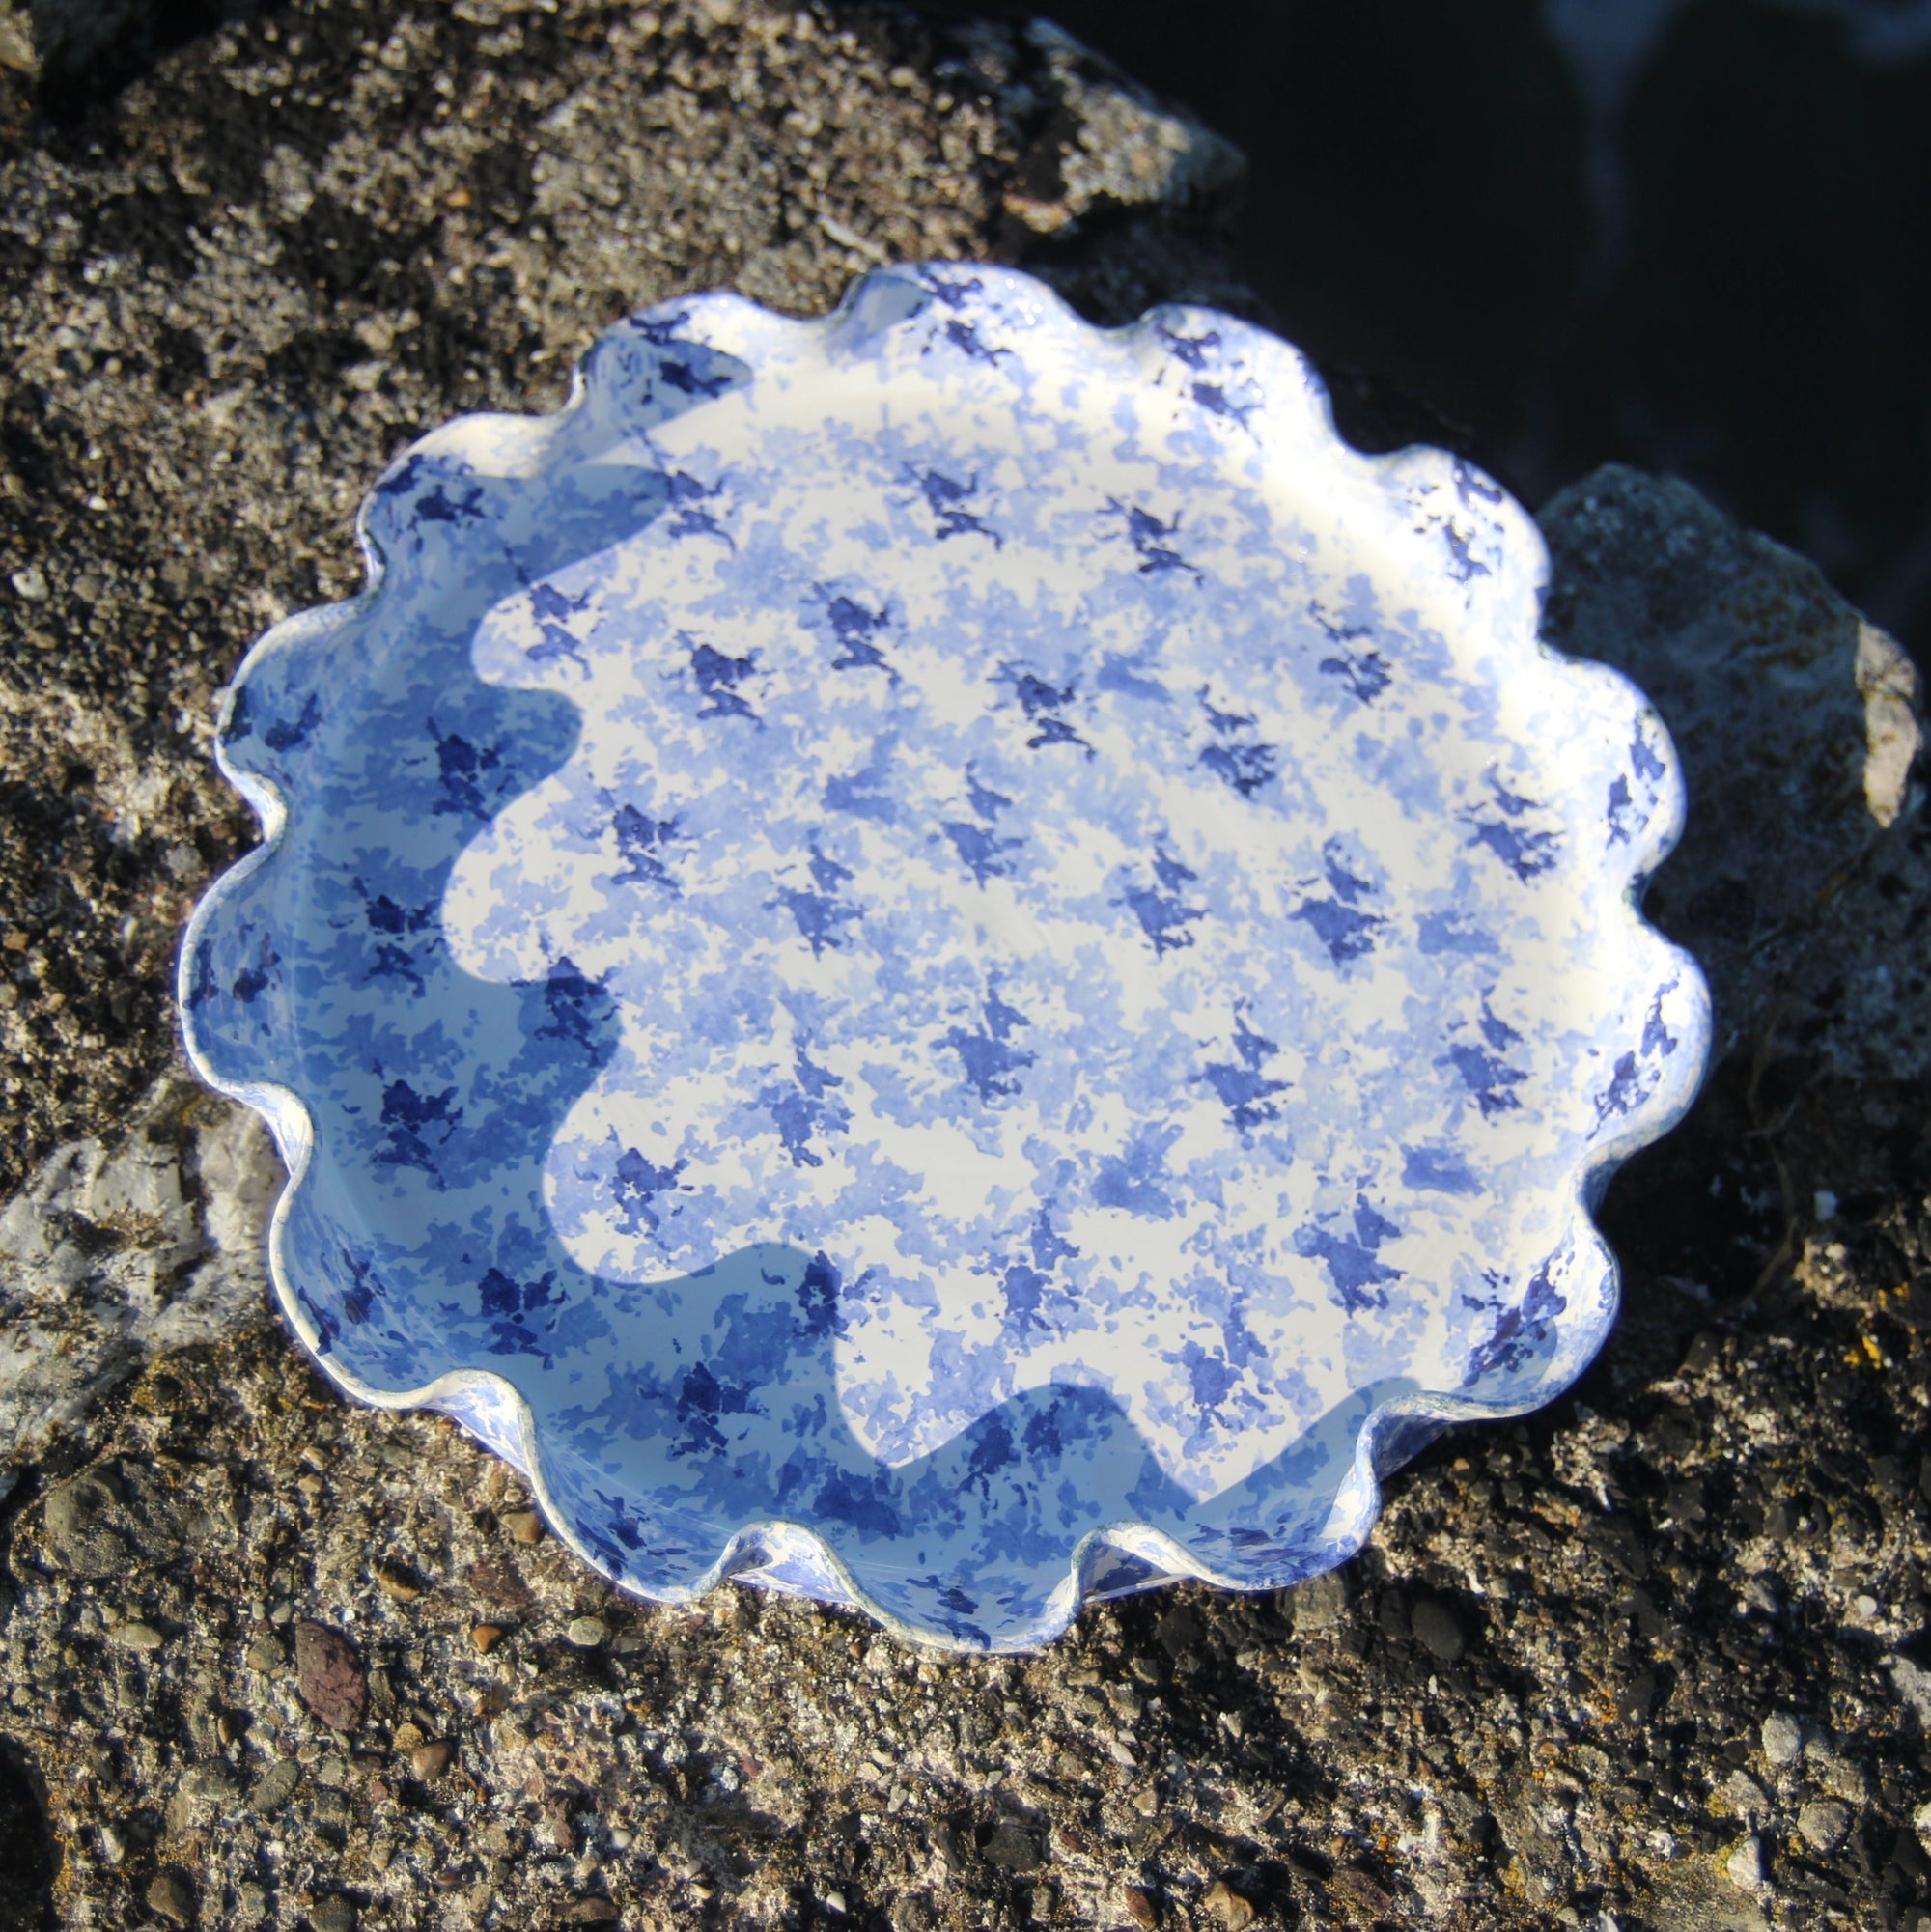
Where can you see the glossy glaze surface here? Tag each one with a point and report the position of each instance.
(945, 957)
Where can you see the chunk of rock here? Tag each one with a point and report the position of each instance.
(1743, 1864)
(329, 1675)
(170, 1896)
(122, 1246)
(274, 1787)
(203, 1794)
(1231, 1908)
(1320, 1604)
(495, 1580)
(1178, 1631)
(1111, 145)
(1782, 1739)
(1823, 1822)
(1796, 718)
(1436, 1631)
(117, 1516)
(1913, 1683)
(1012, 1848)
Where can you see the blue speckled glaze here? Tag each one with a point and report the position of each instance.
(944, 959)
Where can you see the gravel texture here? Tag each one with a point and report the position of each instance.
(1659, 1657)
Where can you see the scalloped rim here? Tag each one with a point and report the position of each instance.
(747, 1550)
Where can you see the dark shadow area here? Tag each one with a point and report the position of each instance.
(27, 1862)
(89, 49)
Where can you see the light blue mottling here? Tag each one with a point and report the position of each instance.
(944, 959)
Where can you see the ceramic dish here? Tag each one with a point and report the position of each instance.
(944, 959)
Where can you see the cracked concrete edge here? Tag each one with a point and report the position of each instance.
(1109, 143)
(126, 1246)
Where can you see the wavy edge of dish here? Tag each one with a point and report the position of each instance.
(488, 1405)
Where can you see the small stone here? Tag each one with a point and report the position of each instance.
(557, 1826)
(205, 1792)
(586, 1631)
(524, 1525)
(274, 1787)
(1845, 1778)
(1320, 1604)
(116, 1516)
(428, 1760)
(136, 1636)
(1012, 1848)
(397, 1583)
(495, 1581)
(485, 1636)
(1744, 1867)
(1921, 1823)
(333, 1915)
(1782, 1739)
(328, 1674)
(1913, 1686)
(1823, 1823)
(1436, 1631)
(1637, 1696)
(591, 1912)
(1745, 1797)
(30, 583)
(1178, 1631)
(407, 1735)
(1227, 1905)
(169, 1894)
(1140, 1907)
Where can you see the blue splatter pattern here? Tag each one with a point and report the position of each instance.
(944, 959)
